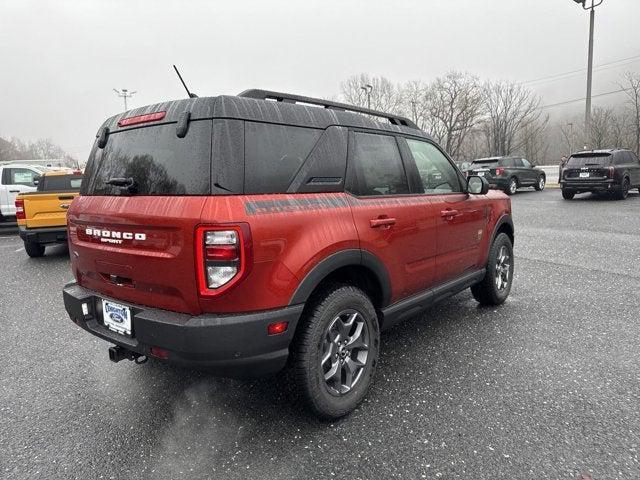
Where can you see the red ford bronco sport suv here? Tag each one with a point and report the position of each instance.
(241, 232)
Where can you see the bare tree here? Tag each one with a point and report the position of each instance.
(600, 132)
(533, 140)
(510, 107)
(631, 85)
(413, 95)
(453, 107)
(384, 95)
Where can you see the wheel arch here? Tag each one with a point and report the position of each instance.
(355, 266)
(504, 225)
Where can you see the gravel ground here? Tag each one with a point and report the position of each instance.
(546, 386)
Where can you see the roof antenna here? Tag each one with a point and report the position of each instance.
(191, 95)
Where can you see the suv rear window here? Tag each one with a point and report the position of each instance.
(157, 160)
(67, 183)
(580, 161)
(485, 163)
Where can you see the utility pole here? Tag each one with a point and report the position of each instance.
(570, 125)
(592, 20)
(124, 94)
(367, 89)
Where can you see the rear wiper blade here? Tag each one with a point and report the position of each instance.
(127, 184)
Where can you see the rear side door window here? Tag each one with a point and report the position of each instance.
(437, 174)
(376, 166)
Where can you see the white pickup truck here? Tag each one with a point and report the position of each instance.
(16, 178)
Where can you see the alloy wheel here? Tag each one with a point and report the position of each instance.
(345, 351)
(541, 183)
(503, 269)
(513, 186)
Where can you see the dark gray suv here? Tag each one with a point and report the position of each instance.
(601, 171)
(508, 173)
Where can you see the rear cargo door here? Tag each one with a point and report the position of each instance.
(135, 242)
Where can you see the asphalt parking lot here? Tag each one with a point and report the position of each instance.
(546, 386)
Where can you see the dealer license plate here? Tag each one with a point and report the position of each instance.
(116, 317)
(584, 174)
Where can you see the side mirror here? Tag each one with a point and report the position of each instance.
(36, 180)
(477, 185)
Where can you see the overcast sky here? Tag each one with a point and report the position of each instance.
(60, 60)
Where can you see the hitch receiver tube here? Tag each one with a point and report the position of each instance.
(117, 353)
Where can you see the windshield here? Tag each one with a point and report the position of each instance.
(155, 159)
(580, 161)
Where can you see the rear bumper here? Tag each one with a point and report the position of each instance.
(230, 345)
(590, 186)
(43, 235)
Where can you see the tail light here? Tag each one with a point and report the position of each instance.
(499, 171)
(611, 172)
(20, 214)
(223, 256)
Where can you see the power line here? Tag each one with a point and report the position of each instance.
(602, 66)
(582, 99)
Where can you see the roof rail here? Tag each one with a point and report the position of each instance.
(288, 98)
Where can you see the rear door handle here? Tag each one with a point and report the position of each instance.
(382, 222)
(449, 213)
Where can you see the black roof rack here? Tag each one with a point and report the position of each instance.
(288, 98)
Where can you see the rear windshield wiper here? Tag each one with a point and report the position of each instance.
(127, 184)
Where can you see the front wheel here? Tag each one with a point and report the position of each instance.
(512, 186)
(496, 285)
(568, 194)
(34, 249)
(336, 350)
(542, 181)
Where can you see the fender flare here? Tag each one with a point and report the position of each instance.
(505, 219)
(343, 258)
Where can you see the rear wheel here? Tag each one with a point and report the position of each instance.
(542, 181)
(496, 285)
(624, 190)
(568, 194)
(512, 186)
(336, 350)
(34, 249)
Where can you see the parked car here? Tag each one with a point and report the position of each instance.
(509, 173)
(15, 178)
(239, 233)
(42, 215)
(614, 171)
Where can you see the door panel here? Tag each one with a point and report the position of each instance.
(16, 181)
(396, 226)
(461, 227)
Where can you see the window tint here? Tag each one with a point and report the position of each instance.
(22, 176)
(525, 163)
(157, 160)
(508, 162)
(377, 165)
(436, 172)
(274, 154)
(50, 183)
(580, 161)
(622, 158)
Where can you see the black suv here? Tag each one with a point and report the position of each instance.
(508, 173)
(613, 171)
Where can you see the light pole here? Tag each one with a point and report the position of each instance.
(124, 93)
(592, 19)
(367, 89)
(570, 125)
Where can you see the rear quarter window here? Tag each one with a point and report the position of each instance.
(159, 162)
(274, 155)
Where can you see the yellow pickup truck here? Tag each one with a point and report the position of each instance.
(42, 215)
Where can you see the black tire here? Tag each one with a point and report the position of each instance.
(541, 183)
(512, 186)
(310, 348)
(624, 189)
(488, 291)
(568, 194)
(34, 250)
